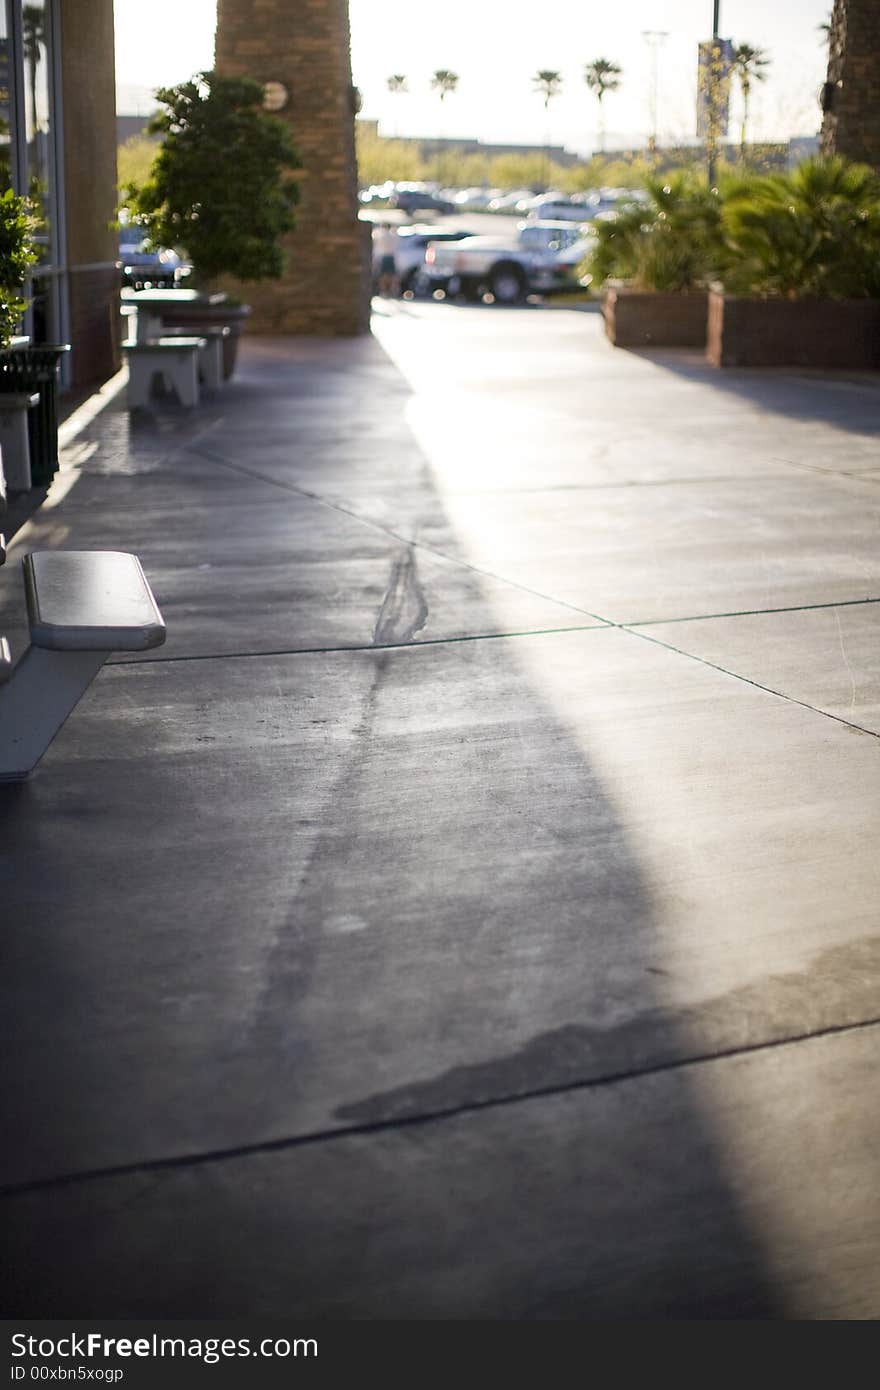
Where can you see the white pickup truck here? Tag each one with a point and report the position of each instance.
(538, 257)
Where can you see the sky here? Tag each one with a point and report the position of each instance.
(496, 47)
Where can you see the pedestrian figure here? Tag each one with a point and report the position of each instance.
(384, 249)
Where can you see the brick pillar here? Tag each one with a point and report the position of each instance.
(304, 44)
(851, 97)
(89, 104)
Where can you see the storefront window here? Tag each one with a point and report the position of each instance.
(6, 111)
(28, 155)
(37, 109)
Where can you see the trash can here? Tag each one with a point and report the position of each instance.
(35, 369)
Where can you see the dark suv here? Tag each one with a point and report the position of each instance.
(410, 201)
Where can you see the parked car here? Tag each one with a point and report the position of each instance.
(540, 258)
(509, 202)
(145, 266)
(412, 244)
(560, 210)
(376, 193)
(474, 199)
(411, 201)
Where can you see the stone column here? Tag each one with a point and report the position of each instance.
(305, 46)
(851, 96)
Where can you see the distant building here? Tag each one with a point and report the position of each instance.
(801, 147)
(130, 127)
(58, 145)
(429, 147)
(433, 147)
(761, 156)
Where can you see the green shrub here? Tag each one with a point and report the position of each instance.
(218, 188)
(671, 241)
(814, 232)
(17, 255)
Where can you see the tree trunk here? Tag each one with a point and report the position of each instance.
(745, 121)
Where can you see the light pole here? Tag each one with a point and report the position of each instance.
(654, 38)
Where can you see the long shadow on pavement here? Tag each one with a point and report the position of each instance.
(330, 977)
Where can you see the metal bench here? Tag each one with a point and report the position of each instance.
(176, 360)
(82, 605)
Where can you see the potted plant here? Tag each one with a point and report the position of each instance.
(17, 255)
(801, 284)
(655, 258)
(220, 190)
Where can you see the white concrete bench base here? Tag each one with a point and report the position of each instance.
(82, 605)
(14, 445)
(211, 359)
(176, 360)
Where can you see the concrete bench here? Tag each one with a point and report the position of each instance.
(176, 360)
(211, 360)
(82, 605)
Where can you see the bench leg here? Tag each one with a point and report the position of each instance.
(43, 689)
(15, 449)
(141, 371)
(183, 376)
(211, 364)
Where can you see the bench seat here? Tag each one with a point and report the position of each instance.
(82, 605)
(90, 600)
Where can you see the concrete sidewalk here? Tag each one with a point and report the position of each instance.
(472, 910)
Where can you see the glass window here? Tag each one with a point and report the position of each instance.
(37, 108)
(6, 111)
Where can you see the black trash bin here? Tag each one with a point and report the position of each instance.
(35, 369)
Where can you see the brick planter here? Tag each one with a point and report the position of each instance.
(746, 332)
(644, 318)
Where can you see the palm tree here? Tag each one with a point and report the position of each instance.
(747, 66)
(444, 82)
(548, 83)
(397, 84)
(601, 76)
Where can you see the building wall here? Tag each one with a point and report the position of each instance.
(305, 45)
(89, 113)
(851, 123)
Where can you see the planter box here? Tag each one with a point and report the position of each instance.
(643, 318)
(746, 332)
